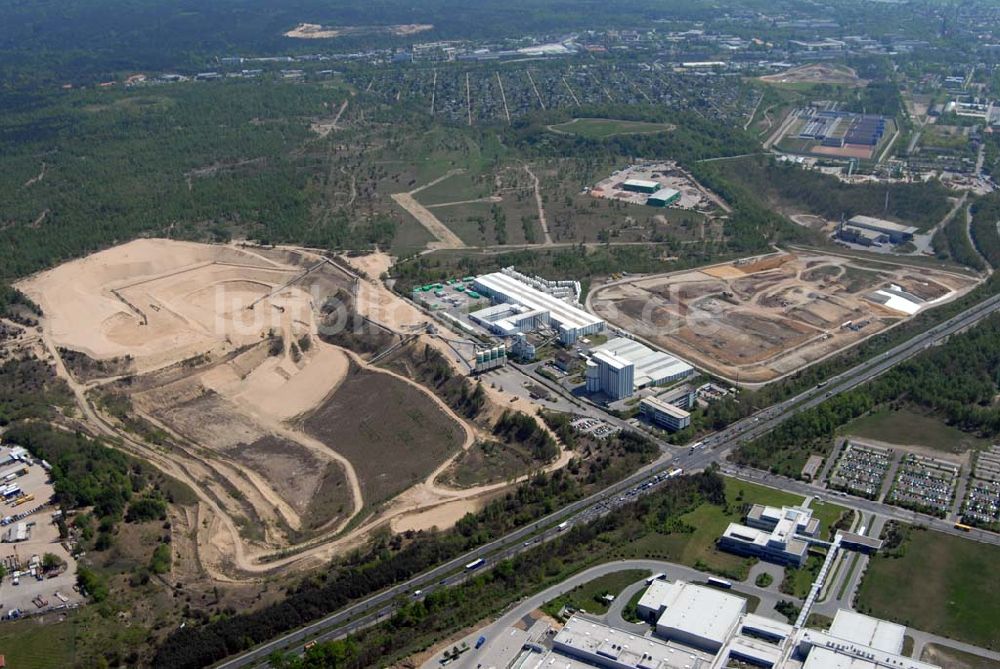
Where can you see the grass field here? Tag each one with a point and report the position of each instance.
(697, 548)
(588, 596)
(29, 644)
(956, 659)
(909, 426)
(600, 128)
(942, 584)
(392, 433)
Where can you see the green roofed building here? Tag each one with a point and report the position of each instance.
(663, 197)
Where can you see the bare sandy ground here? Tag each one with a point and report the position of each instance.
(759, 319)
(316, 31)
(162, 301)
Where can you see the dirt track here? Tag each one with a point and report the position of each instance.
(266, 390)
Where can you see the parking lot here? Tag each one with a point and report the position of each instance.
(861, 470)
(982, 500)
(924, 484)
(28, 532)
(593, 426)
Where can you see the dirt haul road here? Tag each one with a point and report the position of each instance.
(223, 552)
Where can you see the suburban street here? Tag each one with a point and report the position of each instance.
(714, 448)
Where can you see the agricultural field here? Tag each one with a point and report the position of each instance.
(757, 319)
(936, 585)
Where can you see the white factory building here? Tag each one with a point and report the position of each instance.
(698, 627)
(621, 366)
(570, 321)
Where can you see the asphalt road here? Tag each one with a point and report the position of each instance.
(713, 448)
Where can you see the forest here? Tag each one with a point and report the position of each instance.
(957, 382)
(796, 190)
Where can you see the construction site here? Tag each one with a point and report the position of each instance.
(755, 320)
(297, 448)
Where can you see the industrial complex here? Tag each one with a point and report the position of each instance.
(699, 627)
(534, 307)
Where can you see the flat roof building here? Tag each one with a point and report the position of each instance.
(699, 627)
(652, 368)
(663, 197)
(568, 320)
(702, 617)
(641, 186)
(665, 414)
(897, 233)
(775, 535)
(616, 375)
(598, 644)
(859, 628)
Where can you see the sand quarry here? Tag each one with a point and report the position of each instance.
(756, 320)
(283, 437)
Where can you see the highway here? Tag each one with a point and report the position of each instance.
(713, 448)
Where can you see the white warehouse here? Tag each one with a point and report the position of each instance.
(570, 321)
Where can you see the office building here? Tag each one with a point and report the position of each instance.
(664, 414)
(779, 536)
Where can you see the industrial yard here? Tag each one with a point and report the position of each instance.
(757, 319)
(657, 185)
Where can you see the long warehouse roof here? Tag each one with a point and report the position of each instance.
(562, 312)
(650, 365)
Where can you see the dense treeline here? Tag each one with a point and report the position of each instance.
(953, 242)
(18, 307)
(29, 389)
(522, 429)
(417, 623)
(957, 381)
(789, 186)
(985, 218)
(90, 169)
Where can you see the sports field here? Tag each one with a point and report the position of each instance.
(601, 128)
(941, 584)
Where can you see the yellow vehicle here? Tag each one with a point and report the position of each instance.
(21, 500)
(963, 527)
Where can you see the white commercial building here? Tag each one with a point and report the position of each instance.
(665, 414)
(616, 375)
(570, 321)
(701, 617)
(652, 368)
(772, 534)
(704, 628)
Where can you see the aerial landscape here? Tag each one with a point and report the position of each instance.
(500, 335)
